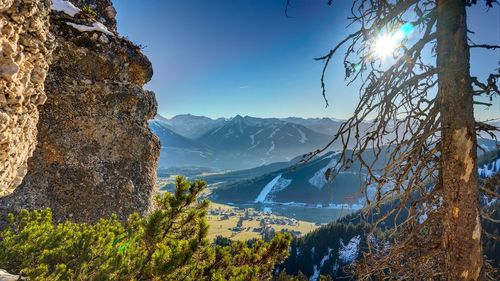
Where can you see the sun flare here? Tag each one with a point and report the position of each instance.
(385, 46)
(387, 43)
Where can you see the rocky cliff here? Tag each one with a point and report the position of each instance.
(95, 154)
(25, 47)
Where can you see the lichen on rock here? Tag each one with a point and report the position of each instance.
(25, 49)
(95, 155)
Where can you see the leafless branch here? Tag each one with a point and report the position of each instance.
(485, 46)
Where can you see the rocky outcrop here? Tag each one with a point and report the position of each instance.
(25, 47)
(5, 276)
(95, 154)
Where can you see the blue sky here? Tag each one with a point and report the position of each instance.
(220, 58)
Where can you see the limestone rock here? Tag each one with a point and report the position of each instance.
(5, 276)
(95, 154)
(106, 13)
(25, 47)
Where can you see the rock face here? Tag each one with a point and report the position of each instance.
(5, 276)
(95, 154)
(25, 47)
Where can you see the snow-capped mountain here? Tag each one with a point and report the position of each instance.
(190, 126)
(271, 138)
(170, 138)
(177, 150)
(247, 142)
(235, 143)
(325, 125)
(193, 126)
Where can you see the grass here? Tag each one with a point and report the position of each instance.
(218, 226)
(223, 227)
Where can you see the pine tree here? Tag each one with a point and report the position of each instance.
(170, 243)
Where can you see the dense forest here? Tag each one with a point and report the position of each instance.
(309, 252)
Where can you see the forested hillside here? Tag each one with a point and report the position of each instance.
(331, 249)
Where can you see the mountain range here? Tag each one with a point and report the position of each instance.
(238, 142)
(243, 142)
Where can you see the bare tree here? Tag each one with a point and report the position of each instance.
(412, 61)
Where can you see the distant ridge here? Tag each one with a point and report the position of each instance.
(238, 142)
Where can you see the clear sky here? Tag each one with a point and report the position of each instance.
(220, 58)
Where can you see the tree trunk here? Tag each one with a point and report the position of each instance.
(462, 224)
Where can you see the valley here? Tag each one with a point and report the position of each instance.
(249, 223)
(257, 181)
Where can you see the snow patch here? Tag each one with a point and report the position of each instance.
(488, 170)
(315, 275)
(371, 191)
(325, 258)
(273, 146)
(425, 209)
(265, 191)
(303, 137)
(96, 26)
(318, 179)
(488, 201)
(281, 184)
(64, 6)
(348, 253)
(293, 204)
(336, 266)
(252, 137)
(422, 218)
(317, 269)
(216, 130)
(345, 206)
(275, 131)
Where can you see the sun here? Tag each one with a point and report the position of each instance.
(384, 46)
(387, 43)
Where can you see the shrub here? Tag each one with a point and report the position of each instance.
(89, 11)
(169, 243)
